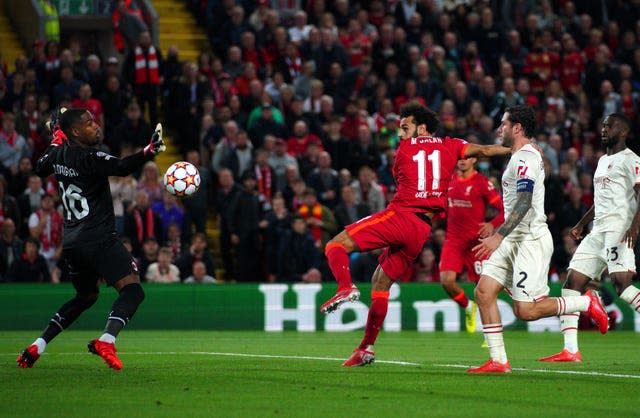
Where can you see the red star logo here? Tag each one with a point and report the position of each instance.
(181, 164)
(189, 180)
(170, 179)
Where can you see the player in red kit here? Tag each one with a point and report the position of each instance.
(469, 194)
(422, 169)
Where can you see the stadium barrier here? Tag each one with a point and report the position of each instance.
(269, 307)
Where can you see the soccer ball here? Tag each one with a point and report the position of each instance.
(182, 179)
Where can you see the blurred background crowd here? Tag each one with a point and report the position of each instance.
(291, 115)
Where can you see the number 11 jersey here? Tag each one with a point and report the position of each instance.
(423, 168)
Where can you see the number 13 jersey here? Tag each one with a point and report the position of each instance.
(423, 169)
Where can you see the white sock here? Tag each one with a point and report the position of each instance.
(107, 338)
(571, 304)
(493, 336)
(41, 344)
(569, 324)
(631, 295)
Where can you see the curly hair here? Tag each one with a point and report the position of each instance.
(525, 116)
(422, 115)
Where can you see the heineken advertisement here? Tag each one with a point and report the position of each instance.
(268, 307)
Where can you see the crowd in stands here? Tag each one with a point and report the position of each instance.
(292, 117)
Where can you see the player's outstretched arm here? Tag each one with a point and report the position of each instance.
(475, 150)
(576, 231)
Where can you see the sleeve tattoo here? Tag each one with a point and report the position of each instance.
(522, 206)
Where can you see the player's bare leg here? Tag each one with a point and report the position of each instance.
(575, 285)
(486, 295)
(337, 251)
(453, 289)
(364, 354)
(62, 319)
(130, 297)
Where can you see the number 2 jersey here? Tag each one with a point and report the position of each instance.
(82, 174)
(423, 169)
(525, 173)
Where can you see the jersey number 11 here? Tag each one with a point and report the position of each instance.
(434, 159)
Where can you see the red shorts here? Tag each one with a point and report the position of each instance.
(458, 254)
(401, 234)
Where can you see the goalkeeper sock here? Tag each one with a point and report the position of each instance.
(131, 296)
(569, 324)
(41, 344)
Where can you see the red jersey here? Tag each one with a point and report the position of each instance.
(467, 200)
(422, 170)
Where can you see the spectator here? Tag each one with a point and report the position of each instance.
(227, 189)
(367, 189)
(45, 225)
(195, 207)
(29, 201)
(123, 191)
(349, 210)
(8, 205)
(151, 183)
(85, 101)
(278, 222)
(425, 269)
(197, 251)
(13, 146)
(148, 256)
(279, 160)
(199, 274)
(68, 87)
(319, 218)
(163, 271)
(364, 152)
(127, 25)
(238, 158)
(133, 132)
(30, 266)
(29, 124)
(169, 211)
(11, 247)
(114, 100)
(143, 66)
(141, 222)
(299, 257)
(174, 241)
(324, 180)
(245, 221)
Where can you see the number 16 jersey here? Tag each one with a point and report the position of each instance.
(82, 174)
(423, 169)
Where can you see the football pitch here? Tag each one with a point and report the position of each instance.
(255, 374)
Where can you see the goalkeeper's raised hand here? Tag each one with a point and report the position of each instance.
(156, 144)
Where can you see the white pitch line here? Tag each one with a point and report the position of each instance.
(211, 353)
(575, 372)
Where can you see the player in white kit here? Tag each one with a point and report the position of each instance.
(615, 229)
(521, 248)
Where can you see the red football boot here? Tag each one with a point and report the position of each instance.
(491, 366)
(107, 351)
(341, 296)
(360, 357)
(28, 357)
(564, 356)
(597, 312)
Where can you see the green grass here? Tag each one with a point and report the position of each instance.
(66, 382)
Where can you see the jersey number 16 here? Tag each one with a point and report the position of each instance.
(71, 197)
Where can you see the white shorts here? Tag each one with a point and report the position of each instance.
(522, 267)
(599, 250)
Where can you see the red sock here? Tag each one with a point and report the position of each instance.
(377, 313)
(339, 264)
(461, 299)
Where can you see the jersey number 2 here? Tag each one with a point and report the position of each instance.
(70, 198)
(434, 158)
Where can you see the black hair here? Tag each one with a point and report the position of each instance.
(525, 116)
(422, 115)
(624, 119)
(69, 119)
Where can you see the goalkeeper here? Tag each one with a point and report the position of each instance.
(91, 249)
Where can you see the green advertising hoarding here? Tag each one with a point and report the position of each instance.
(268, 307)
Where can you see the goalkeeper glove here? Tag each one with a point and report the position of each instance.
(58, 137)
(156, 145)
